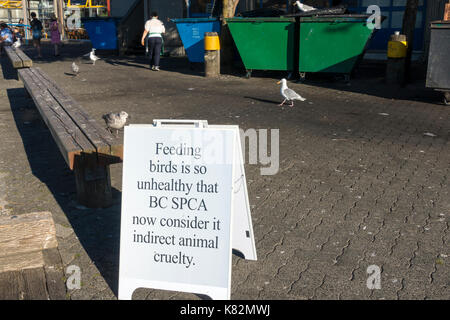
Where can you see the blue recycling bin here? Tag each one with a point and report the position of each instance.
(192, 34)
(102, 32)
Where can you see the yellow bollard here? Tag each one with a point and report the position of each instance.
(396, 52)
(212, 41)
(212, 54)
(397, 46)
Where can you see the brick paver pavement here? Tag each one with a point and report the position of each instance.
(359, 183)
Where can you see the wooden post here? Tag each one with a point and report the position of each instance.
(58, 8)
(408, 28)
(93, 182)
(25, 18)
(212, 57)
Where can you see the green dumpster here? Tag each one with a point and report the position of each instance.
(332, 43)
(264, 43)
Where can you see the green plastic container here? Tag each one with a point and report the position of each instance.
(326, 43)
(332, 44)
(264, 43)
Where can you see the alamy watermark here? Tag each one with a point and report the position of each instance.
(73, 21)
(258, 145)
(374, 21)
(73, 281)
(374, 279)
(210, 148)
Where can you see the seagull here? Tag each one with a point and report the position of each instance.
(115, 120)
(303, 7)
(288, 94)
(75, 68)
(92, 56)
(17, 44)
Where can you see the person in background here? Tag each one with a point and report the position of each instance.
(55, 35)
(6, 37)
(36, 29)
(154, 28)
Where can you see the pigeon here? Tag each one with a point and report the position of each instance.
(75, 68)
(303, 7)
(115, 120)
(17, 44)
(288, 94)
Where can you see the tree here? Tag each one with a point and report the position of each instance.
(409, 25)
(226, 41)
(229, 8)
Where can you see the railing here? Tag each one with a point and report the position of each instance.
(10, 4)
(87, 5)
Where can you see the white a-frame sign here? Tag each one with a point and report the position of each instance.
(184, 208)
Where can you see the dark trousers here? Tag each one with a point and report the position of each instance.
(154, 50)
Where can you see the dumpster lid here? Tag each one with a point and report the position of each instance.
(440, 24)
(262, 13)
(194, 20)
(319, 12)
(261, 19)
(339, 17)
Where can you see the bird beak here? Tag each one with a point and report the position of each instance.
(278, 82)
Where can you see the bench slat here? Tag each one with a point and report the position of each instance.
(69, 139)
(26, 61)
(103, 140)
(16, 61)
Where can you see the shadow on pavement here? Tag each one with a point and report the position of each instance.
(8, 71)
(98, 230)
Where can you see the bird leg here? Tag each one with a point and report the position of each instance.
(292, 104)
(282, 103)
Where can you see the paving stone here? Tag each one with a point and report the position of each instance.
(354, 188)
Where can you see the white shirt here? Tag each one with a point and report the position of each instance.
(154, 27)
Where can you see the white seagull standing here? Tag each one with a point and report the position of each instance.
(115, 120)
(303, 7)
(288, 94)
(93, 57)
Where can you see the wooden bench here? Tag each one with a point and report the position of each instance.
(18, 58)
(87, 147)
(30, 265)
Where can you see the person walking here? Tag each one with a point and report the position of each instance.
(154, 28)
(36, 29)
(55, 35)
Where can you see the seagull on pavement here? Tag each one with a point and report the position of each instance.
(75, 68)
(303, 7)
(92, 56)
(115, 121)
(288, 94)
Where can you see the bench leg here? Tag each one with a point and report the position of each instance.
(93, 184)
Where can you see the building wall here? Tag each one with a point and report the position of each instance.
(170, 9)
(119, 8)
